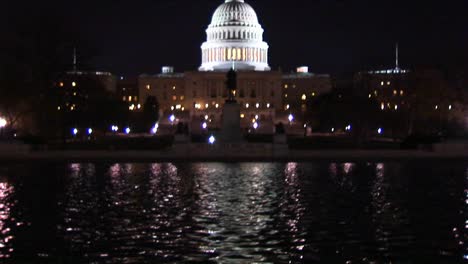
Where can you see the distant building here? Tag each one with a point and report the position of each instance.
(234, 40)
(425, 96)
(128, 91)
(77, 86)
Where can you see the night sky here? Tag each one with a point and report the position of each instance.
(139, 36)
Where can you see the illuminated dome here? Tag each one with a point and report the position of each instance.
(234, 39)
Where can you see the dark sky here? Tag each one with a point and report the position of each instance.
(330, 36)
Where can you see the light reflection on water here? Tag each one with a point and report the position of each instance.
(233, 213)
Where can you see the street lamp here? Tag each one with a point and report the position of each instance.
(172, 118)
(255, 125)
(211, 140)
(90, 131)
(204, 125)
(380, 131)
(290, 118)
(3, 122)
(127, 130)
(75, 131)
(154, 130)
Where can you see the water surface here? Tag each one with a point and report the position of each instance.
(233, 213)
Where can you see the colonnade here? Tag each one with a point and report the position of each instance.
(235, 54)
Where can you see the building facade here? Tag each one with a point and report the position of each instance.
(234, 40)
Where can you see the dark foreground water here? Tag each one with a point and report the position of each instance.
(234, 213)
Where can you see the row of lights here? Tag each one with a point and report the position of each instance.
(133, 107)
(348, 128)
(61, 84)
(114, 129)
(247, 105)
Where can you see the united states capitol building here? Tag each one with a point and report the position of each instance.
(234, 40)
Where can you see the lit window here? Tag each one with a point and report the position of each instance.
(268, 105)
(148, 87)
(285, 86)
(402, 93)
(242, 116)
(73, 84)
(294, 86)
(61, 84)
(382, 106)
(286, 107)
(58, 108)
(370, 95)
(207, 105)
(375, 92)
(178, 107)
(395, 92)
(396, 107)
(450, 107)
(74, 94)
(388, 83)
(217, 105)
(174, 98)
(173, 87)
(247, 105)
(313, 94)
(182, 97)
(436, 107)
(382, 83)
(304, 97)
(257, 105)
(285, 95)
(130, 98)
(136, 98)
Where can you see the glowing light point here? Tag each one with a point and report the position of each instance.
(128, 130)
(290, 117)
(154, 130)
(90, 131)
(380, 130)
(255, 125)
(172, 118)
(3, 122)
(204, 125)
(75, 131)
(211, 139)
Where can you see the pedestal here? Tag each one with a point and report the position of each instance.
(230, 130)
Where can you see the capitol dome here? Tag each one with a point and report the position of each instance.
(234, 39)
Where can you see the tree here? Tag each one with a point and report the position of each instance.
(37, 53)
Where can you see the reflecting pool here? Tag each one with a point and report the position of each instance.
(396, 212)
